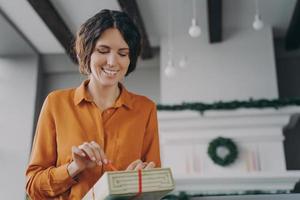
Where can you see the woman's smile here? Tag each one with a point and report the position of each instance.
(109, 72)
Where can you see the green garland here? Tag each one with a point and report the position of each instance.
(231, 105)
(185, 196)
(222, 142)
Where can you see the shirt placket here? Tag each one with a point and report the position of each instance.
(109, 134)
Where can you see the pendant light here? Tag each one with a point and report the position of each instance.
(258, 24)
(183, 62)
(194, 29)
(170, 70)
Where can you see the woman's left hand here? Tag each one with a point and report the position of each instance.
(138, 164)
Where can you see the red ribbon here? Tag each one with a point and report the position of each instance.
(140, 185)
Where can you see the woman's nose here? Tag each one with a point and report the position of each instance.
(112, 59)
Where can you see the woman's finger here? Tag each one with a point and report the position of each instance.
(97, 152)
(150, 165)
(87, 149)
(139, 166)
(103, 156)
(77, 151)
(133, 165)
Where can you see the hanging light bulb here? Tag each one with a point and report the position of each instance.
(170, 70)
(194, 29)
(183, 62)
(257, 24)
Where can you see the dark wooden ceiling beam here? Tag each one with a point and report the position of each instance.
(55, 23)
(214, 8)
(292, 38)
(131, 8)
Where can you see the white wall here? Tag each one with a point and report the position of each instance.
(18, 85)
(60, 72)
(240, 67)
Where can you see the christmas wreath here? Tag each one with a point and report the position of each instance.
(227, 145)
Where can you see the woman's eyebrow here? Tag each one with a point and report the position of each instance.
(124, 49)
(102, 45)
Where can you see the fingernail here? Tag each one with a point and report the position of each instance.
(105, 161)
(83, 154)
(100, 163)
(93, 158)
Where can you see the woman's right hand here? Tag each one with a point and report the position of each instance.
(86, 155)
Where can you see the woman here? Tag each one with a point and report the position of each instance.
(82, 130)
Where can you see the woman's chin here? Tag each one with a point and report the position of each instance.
(108, 82)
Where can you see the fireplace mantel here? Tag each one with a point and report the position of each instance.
(184, 137)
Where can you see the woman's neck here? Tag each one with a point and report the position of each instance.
(103, 96)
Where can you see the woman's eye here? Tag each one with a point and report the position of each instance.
(102, 51)
(123, 54)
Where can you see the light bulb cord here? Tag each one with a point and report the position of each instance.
(194, 9)
(170, 27)
(194, 23)
(256, 8)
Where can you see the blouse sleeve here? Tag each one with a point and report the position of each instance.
(151, 151)
(44, 178)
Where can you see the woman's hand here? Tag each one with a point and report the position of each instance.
(138, 164)
(86, 155)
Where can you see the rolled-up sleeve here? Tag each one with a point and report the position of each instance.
(44, 178)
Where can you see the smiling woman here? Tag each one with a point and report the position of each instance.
(99, 126)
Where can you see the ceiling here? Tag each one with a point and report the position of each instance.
(159, 16)
(11, 43)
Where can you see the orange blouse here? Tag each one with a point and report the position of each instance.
(127, 131)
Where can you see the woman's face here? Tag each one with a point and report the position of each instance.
(110, 58)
